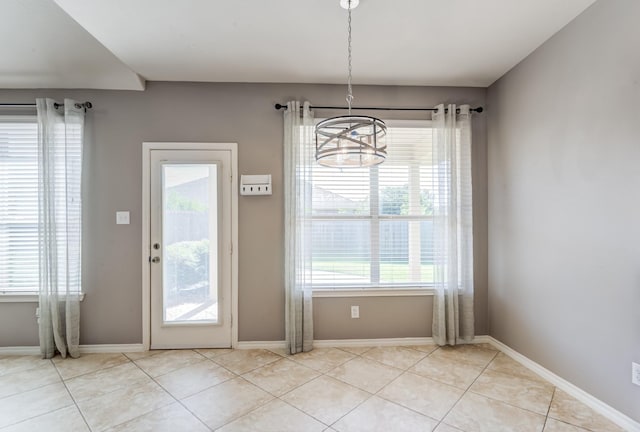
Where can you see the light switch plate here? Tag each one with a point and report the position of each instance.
(122, 218)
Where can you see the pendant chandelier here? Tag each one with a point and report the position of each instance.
(351, 140)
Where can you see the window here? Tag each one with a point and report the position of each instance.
(18, 205)
(372, 227)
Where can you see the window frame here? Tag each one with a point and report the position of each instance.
(30, 295)
(380, 290)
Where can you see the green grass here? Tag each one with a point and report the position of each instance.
(392, 272)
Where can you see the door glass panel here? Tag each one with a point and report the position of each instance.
(190, 243)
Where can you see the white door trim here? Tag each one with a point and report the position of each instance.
(146, 227)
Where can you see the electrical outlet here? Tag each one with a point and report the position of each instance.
(635, 373)
(122, 218)
(355, 311)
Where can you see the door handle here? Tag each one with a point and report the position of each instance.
(155, 259)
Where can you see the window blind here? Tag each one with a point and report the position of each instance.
(18, 204)
(372, 227)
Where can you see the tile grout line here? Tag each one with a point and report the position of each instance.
(546, 418)
(250, 370)
(439, 381)
(236, 375)
(147, 356)
(376, 394)
(200, 391)
(111, 367)
(505, 403)
(39, 387)
(34, 388)
(253, 409)
(220, 366)
(325, 374)
(509, 403)
(466, 391)
(88, 373)
(274, 398)
(371, 395)
(358, 405)
(555, 389)
(320, 371)
(64, 382)
(91, 371)
(167, 392)
(231, 420)
(438, 422)
(404, 370)
(499, 372)
(305, 413)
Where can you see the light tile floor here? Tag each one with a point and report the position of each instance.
(470, 388)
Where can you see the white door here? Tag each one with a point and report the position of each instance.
(190, 244)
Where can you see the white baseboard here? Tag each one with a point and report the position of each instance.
(20, 350)
(244, 345)
(592, 402)
(84, 349)
(341, 343)
(482, 339)
(338, 343)
(111, 348)
(326, 343)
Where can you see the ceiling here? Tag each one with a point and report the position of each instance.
(119, 44)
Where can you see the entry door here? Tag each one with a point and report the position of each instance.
(190, 248)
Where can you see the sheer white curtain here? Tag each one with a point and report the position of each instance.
(298, 160)
(60, 141)
(453, 320)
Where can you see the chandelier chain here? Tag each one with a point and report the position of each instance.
(350, 141)
(349, 89)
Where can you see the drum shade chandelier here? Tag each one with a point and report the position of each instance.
(351, 140)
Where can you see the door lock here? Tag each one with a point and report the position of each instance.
(156, 246)
(155, 259)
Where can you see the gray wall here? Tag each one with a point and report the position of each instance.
(242, 113)
(564, 204)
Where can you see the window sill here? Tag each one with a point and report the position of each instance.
(373, 292)
(24, 297)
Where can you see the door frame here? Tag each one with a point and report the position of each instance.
(147, 147)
